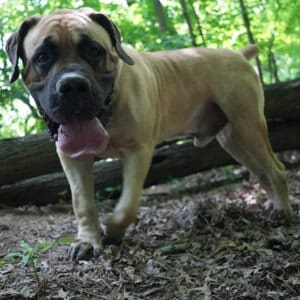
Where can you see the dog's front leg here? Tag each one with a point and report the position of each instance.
(79, 173)
(135, 168)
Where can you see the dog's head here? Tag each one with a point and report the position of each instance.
(69, 60)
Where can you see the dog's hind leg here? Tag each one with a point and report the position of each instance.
(135, 168)
(247, 141)
(209, 121)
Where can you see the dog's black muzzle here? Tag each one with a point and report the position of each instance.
(72, 94)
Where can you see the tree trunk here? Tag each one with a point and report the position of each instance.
(273, 71)
(169, 161)
(34, 155)
(273, 66)
(130, 2)
(26, 157)
(250, 36)
(159, 12)
(24, 162)
(188, 21)
(199, 27)
(283, 100)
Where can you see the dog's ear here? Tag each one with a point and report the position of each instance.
(14, 45)
(114, 34)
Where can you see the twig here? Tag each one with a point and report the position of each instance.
(174, 248)
(81, 291)
(152, 291)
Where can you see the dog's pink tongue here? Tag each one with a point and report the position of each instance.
(80, 138)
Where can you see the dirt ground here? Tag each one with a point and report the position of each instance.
(197, 238)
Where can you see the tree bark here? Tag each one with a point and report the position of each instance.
(160, 16)
(30, 171)
(199, 27)
(283, 100)
(34, 155)
(188, 21)
(250, 36)
(26, 157)
(273, 70)
(169, 161)
(130, 2)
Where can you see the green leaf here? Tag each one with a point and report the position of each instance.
(66, 240)
(47, 247)
(13, 255)
(26, 246)
(25, 259)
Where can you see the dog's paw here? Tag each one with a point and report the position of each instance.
(284, 211)
(79, 250)
(267, 206)
(112, 235)
(112, 240)
(113, 231)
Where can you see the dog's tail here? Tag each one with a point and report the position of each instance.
(250, 51)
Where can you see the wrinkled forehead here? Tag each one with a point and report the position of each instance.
(65, 29)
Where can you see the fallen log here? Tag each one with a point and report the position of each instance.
(27, 157)
(34, 155)
(283, 100)
(170, 161)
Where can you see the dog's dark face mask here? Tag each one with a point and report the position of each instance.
(70, 73)
(71, 92)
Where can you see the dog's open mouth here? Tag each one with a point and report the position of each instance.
(79, 138)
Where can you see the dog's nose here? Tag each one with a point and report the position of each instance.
(73, 85)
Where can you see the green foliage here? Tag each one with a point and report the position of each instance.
(173, 181)
(109, 192)
(30, 255)
(274, 23)
(231, 173)
(113, 190)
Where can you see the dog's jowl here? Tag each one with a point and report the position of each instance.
(100, 98)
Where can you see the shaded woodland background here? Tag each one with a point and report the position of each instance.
(191, 240)
(29, 166)
(165, 24)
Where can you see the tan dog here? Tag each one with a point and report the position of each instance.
(82, 79)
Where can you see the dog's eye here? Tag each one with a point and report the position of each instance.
(94, 52)
(42, 58)
(45, 56)
(91, 51)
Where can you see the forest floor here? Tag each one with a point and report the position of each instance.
(197, 238)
